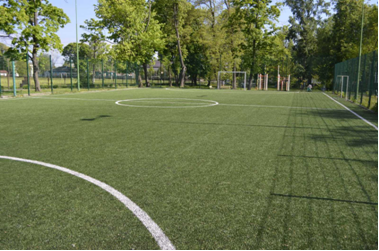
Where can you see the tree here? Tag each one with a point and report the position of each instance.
(69, 52)
(234, 37)
(256, 20)
(172, 15)
(346, 30)
(325, 59)
(98, 49)
(3, 59)
(133, 28)
(33, 24)
(303, 28)
(44, 62)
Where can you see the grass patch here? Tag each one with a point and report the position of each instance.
(261, 170)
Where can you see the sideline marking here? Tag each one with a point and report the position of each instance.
(162, 240)
(365, 120)
(204, 104)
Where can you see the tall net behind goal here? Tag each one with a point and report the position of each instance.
(231, 80)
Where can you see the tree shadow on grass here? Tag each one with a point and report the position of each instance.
(343, 114)
(98, 117)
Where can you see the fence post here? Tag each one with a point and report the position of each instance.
(14, 79)
(115, 74)
(71, 74)
(27, 72)
(126, 76)
(102, 73)
(363, 77)
(87, 74)
(51, 75)
(371, 78)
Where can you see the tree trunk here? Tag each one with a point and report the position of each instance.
(184, 68)
(36, 71)
(34, 55)
(146, 77)
(138, 76)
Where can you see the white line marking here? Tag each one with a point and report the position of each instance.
(277, 106)
(365, 120)
(148, 100)
(233, 92)
(210, 102)
(68, 94)
(161, 239)
(84, 99)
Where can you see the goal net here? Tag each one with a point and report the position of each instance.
(231, 80)
(343, 82)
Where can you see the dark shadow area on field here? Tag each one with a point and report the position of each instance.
(224, 124)
(354, 136)
(98, 117)
(342, 114)
(202, 96)
(320, 198)
(357, 142)
(372, 163)
(280, 213)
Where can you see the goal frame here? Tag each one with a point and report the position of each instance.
(218, 78)
(347, 85)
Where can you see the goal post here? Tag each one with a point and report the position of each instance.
(341, 78)
(262, 82)
(223, 82)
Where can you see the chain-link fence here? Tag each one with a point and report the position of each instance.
(346, 79)
(43, 75)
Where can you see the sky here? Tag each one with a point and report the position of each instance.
(86, 11)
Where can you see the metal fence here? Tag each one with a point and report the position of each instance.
(19, 78)
(346, 79)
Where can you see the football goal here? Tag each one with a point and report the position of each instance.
(231, 80)
(340, 80)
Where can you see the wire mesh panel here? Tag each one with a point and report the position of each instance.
(346, 79)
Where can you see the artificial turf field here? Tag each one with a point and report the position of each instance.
(213, 169)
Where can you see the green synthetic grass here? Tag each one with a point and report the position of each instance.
(261, 170)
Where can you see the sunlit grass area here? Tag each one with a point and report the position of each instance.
(214, 169)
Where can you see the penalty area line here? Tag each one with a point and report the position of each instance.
(162, 240)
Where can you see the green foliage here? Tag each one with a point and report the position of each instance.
(347, 29)
(132, 27)
(70, 52)
(27, 29)
(303, 28)
(256, 20)
(44, 62)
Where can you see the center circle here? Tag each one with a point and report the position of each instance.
(167, 103)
